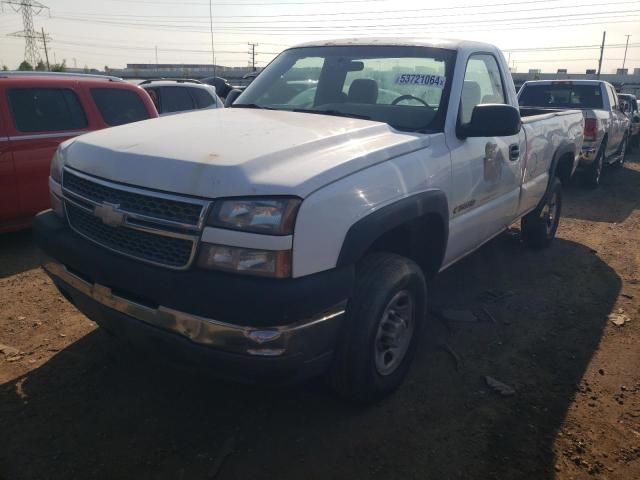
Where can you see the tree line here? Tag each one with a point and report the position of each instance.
(40, 67)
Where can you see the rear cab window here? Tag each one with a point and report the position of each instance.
(119, 106)
(561, 95)
(46, 109)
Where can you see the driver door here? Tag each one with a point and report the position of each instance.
(486, 171)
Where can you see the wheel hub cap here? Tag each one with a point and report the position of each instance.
(395, 332)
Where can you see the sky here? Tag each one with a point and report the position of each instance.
(541, 34)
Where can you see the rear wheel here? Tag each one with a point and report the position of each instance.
(539, 227)
(383, 321)
(594, 172)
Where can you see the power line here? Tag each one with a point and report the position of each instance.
(245, 4)
(189, 19)
(499, 25)
(382, 27)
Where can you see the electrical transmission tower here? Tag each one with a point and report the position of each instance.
(28, 8)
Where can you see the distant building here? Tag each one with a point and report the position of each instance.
(182, 70)
(624, 82)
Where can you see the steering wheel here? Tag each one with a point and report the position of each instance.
(402, 98)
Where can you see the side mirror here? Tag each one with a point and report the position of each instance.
(491, 120)
(231, 97)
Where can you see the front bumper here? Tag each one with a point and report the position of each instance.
(132, 299)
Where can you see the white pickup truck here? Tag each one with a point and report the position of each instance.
(606, 126)
(294, 235)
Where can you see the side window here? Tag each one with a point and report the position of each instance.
(154, 93)
(482, 84)
(176, 99)
(46, 109)
(613, 97)
(202, 97)
(118, 106)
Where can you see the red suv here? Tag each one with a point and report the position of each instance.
(38, 111)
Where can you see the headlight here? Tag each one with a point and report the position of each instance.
(56, 166)
(245, 260)
(271, 216)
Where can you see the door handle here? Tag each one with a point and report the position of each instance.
(514, 152)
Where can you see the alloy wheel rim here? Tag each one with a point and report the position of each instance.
(395, 332)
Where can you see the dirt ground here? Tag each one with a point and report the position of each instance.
(74, 403)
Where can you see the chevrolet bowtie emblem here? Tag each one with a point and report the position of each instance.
(109, 214)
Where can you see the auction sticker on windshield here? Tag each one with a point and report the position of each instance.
(436, 81)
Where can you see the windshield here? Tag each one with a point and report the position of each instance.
(561, 96)
(405, 87)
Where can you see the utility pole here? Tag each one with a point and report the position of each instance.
(156, 57)
(604, 36)
(625, 51)
(28, 8)
(252, 55)
(46, 53)
(213, 54)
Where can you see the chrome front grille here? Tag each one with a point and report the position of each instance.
(153, 227)
(143, 204)
(173, 252)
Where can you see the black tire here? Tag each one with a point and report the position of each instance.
(594, 173)
(624, 148)
(356, 371)
(538, 228)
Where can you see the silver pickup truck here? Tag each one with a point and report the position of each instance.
(606, 126)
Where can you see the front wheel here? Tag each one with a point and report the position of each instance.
(382, 324)
(539, 227)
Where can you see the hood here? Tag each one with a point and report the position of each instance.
(237, 151)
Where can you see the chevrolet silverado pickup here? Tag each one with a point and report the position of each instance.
(606, 126)
(288, 237)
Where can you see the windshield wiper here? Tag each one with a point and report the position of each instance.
(248, 105)
(336, 113)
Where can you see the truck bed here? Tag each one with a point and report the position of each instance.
(532, 114)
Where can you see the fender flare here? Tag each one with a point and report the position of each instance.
(565, 148)
(362, 234)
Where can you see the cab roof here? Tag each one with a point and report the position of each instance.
(450, 44)
(58, 77)
(565, 81)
